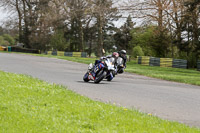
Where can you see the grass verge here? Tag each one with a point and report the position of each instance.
(187, 76)
(31, 105)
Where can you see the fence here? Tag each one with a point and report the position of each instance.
(71, 54)
(162, 62)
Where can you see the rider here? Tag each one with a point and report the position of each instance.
(114, 55)
(122, 54)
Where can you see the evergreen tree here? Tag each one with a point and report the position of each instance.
(123, 35)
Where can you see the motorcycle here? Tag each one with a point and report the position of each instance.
(102, 69)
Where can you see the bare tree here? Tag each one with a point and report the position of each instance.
(15, 5)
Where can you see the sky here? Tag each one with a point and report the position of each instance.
(3, 15)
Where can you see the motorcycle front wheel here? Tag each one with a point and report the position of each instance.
(85, 77)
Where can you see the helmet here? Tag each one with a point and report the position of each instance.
(115, 54)
(123, 52)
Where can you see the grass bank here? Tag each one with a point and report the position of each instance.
(31, 105)
(187, 76)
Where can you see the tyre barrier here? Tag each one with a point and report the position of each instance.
(76, 54)
(71, 54)
(154, 61)
(163, 62)
(179, 63)
(139, 59)
(145, 60)
(68, 54)
(60, 53)
(198, 65)
(2, 48)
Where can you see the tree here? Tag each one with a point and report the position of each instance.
(137, 51)
(58, 41)
(15, 5)
(152, 12)
(1, 31)
(123, 35)
(192, 27)
(103, 12)
(9, 39)
(77, 16)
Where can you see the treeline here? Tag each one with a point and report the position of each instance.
(159, 28)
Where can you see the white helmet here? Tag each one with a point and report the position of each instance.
(122, 51)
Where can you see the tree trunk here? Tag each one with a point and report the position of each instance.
(100, 36)
(26, 30)
(81, 47)
(20, 21)
(160, 17)
(196, 32)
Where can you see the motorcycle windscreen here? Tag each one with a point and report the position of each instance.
(112, 60)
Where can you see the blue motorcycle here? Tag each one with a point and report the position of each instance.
(102, 69)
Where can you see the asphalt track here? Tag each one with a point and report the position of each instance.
(167, 100)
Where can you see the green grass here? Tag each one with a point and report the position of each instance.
(31, 105)
(187, 76)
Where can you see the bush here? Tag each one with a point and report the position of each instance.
(3, 42)
(9, 39)
(137, 51)
(58, 41)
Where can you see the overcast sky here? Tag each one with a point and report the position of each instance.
(3, 15)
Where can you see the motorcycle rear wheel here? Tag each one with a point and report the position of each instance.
(100, 76)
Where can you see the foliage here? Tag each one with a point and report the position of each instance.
(37, 106)
(145, 38)
(9, 39)
(191, 27)
(152, 43)
(137, 51)
(3, 42)
(123, 35)
(104, 14)
(58, 42)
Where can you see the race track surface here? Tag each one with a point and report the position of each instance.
(167, 100)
